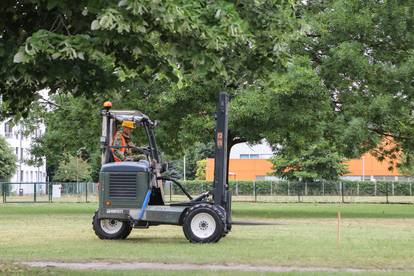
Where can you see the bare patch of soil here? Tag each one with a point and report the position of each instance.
(187, 266)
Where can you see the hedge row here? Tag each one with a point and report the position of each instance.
(351, 188)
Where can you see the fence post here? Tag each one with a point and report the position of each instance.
(298, 185)
(170, 188)
(386, 192)
(34, 192)
(237, 188)
(50, 187)
(254, 191)
(323, 188)
(342, 192)
(271, 188)
(3, 191)
(86, 192)
(411, 190)
(288, 188)
(6, 191)
(358, 189)
(392, 187)
(375, 188)
(275, 187)
(306, 188)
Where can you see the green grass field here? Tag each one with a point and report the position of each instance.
(373, 236)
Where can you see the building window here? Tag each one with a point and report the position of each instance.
(249, 156)
(21, 176)
(17, 152)
(8, 130)
(21, 154)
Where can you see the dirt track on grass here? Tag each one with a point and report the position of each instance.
(187, 266)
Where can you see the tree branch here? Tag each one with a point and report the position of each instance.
(384, 133)
(49, 102)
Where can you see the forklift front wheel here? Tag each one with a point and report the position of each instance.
(110, 228)
(203, 223)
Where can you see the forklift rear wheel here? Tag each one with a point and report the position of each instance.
(110, 229)
(203, 223)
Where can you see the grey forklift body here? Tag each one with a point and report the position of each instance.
(131, 193)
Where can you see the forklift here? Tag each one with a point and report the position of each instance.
(131, 193)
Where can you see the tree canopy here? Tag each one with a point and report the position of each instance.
(299, 72)
(73, 168)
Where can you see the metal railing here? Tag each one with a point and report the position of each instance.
(253, 191)
(48, 192)
(321, 191)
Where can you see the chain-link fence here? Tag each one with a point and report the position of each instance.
(321, 191)
(49, 192)
(253, 191)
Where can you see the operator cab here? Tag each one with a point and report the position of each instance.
(142, 136)
(128, 181)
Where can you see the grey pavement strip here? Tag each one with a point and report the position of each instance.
(186, 266)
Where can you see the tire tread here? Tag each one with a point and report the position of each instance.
(211, 207)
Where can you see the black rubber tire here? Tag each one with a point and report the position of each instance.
(212, 210)
(123, 232)
(226, 230)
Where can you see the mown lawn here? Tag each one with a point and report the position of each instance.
(372, 236)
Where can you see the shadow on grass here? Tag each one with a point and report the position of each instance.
(156, 240)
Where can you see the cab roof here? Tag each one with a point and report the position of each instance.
(130, 115)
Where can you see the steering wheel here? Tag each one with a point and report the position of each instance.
(143, 150)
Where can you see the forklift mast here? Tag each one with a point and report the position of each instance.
(221, 195)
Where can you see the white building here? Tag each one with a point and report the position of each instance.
(247, 151)
(21, 145)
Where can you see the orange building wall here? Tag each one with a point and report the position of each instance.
(371, 166)
(248, 169)
(242, 169)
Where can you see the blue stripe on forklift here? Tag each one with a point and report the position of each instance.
(144, 205)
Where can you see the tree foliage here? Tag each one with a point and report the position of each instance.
(73, 128)
(7, 160)
(201, 169)
(92, 47)
(363, 52)
(314, 162)
(193, 155)
(72, 169)
(298, 72)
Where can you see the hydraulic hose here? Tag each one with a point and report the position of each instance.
(176, 183)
